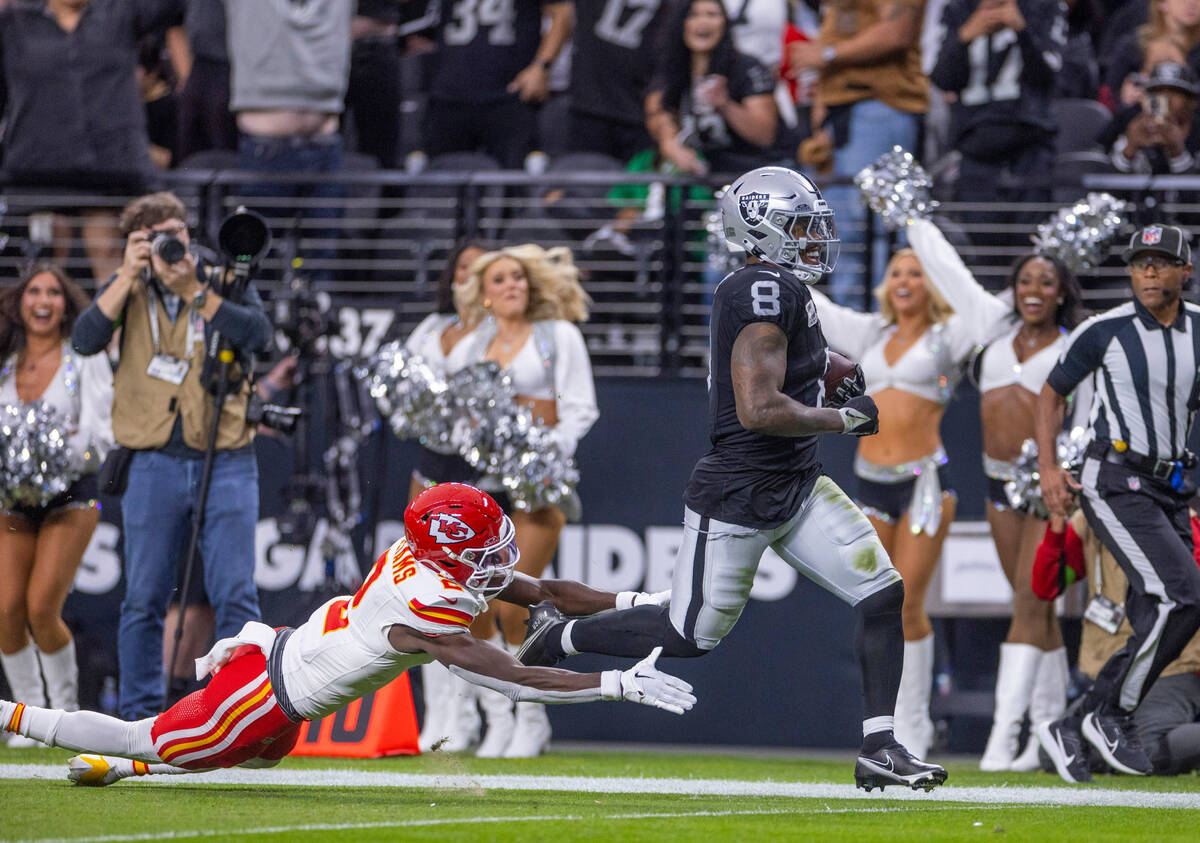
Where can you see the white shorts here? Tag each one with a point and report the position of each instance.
(829, 540)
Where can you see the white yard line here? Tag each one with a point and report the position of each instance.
(310, 827)
(1017, 795)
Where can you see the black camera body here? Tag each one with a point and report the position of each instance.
(168, 247)
(275, 416)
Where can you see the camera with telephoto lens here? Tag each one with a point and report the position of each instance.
(302, 316)
(275, 416)
(168, 247)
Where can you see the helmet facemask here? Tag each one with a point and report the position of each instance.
(812, 255)
(491, 567)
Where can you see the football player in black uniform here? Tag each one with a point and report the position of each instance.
(761, 485)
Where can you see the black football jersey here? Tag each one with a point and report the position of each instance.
(747, 478)
(1003, 78)
(612, 56)
(482, 46)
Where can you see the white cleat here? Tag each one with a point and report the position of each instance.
(93, 770)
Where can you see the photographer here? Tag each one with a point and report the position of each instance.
(167, 308)
(1151, 137)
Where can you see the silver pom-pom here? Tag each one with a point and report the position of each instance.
(1024, 490)
(408, 393)
(896, 188)
(1078, 234)
(36, 462)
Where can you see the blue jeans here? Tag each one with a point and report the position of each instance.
(157, 508)
(276, 156)
(874, 128)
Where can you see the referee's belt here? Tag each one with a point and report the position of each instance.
(1158, 469)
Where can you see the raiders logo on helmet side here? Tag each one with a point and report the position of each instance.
(752, 207)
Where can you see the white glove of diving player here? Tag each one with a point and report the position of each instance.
(860, 416)
(629, 599)
(644, 683)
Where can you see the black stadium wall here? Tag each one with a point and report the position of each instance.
(786, 675)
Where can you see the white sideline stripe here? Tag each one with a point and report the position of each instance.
(174, 835)
(1081, 796)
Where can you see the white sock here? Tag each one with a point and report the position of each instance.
(568, 646)
(873, 725)
(81, 731)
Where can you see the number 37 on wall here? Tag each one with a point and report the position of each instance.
(360, 331)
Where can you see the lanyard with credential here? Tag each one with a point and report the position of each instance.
(151, 296)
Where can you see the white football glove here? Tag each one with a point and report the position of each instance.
(629, 599)
(644, 683)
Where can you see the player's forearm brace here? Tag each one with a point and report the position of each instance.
(609, 688)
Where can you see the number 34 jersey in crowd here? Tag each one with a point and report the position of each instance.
(748, 478)
(342, 651)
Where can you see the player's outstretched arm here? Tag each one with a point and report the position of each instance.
(574, 598)
(758, 365)
(481, 663)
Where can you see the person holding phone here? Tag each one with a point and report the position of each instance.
(1152, 136)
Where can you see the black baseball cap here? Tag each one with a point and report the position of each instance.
(1167, 239)
(1169, 74)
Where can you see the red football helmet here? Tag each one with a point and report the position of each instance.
(460, 530)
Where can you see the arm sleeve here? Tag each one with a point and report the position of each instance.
(1042, 41)
(574, 389)
(1082, 356)
(978, 315)
(92, 331)
(952, 69)
(608, 689)
(245, 325)
(94, 431)
(846, 330)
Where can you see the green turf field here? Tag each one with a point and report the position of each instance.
(583, 796)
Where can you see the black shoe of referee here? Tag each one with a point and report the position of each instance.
(890, 763)
(1063, 742)
(1113, 735)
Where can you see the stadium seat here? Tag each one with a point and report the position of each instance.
(1080, 123)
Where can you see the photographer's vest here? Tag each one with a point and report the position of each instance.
(145, 407)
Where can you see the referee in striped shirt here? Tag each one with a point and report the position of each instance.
(1134, 486)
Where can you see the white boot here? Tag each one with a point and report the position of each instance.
(439, 708)
(531, 735)
(463, 700)
(62, 678)
(24, 676)
(1014, 688)
(498, 715)
(1048, 702)
(914, 729)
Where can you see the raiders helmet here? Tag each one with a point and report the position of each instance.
(462, 532)
(778, 215)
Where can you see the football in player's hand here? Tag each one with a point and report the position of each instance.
(843, 379)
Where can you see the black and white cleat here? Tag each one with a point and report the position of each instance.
(893, 764)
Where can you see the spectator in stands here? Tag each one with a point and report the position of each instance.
(1080, 74)
(41, 547)
(491, 69)
(1171, 34)
(1152, 136)
(161, 413)
(200, 59)
(290, 65)
(1000, 58)
(871, 96)
(1168, 719)
(373, 94)
(157, 84)
(73, 115)
(526, 302)
(709, 106)
(613, 49)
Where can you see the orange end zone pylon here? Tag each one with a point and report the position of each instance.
(382, 723)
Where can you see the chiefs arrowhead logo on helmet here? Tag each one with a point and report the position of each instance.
(445, 528)
(462, 532)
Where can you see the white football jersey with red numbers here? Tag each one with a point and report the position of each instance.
(342, 651)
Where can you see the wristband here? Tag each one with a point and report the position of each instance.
(626, 599)
(610, 685)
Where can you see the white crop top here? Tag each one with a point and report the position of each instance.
(426, 340)
(553, 364)
(998, 365)
(930, 367)
(82, 390)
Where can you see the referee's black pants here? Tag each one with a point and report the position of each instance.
(1145, 524)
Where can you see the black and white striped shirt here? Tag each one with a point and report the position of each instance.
(1148, 377)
